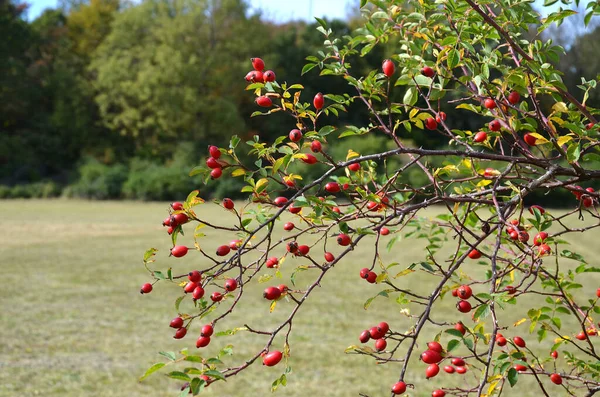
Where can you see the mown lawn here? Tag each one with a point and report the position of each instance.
(74, 324)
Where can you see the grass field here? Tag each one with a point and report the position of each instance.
(74, 324)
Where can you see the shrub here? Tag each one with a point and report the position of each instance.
(496, 259)
(98, 181)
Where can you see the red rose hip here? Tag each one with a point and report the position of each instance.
(146, 288)
(399, 388)
(388, 67)
(179, 250)
(272, 358)
(318, 101)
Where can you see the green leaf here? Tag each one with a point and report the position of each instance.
(178, 302)
(573, 152)
(196, 384)
(308, 67)
(379, 15)
(170, 355)
(326, 130)
(563, 310)
(215, 374)
(454, 332)
(453, 59)
(194, 359)
(453, 344)
(512, 377)
(368, 302)
(321, 22)
(468, 343)
(482, 312)
(179, 376)
(411, 96)
(185, 392)
(234, 141)
(152, 370)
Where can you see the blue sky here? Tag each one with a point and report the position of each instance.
(275, 10)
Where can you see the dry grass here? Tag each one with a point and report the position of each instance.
(74, 324)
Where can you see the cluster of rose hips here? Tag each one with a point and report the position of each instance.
(376, 333)
(177, 219)
(368, 275)
(213, 162)
(494, 126)
(586, 200)
(257, 76)
(464, 292)
(274, 293)
(194, 286)
(517, 232)
(388, 67)
(520, 343)
(434, 355)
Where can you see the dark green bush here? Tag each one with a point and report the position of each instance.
(31, 190)
(98, 181)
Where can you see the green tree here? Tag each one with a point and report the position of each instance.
(166, 72)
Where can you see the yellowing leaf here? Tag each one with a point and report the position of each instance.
(261, 183)
(295, 176)
(351, 154)
(557, 120)
(521, 321)
(448, 168)
(492, 388)
(539, 139)
(272, 307)
(404, 273)
(479, 328)
(381, 277)
(467, 163)
(238, 172)
(559, 107)
(424, 116)
(564, 139)
(483, 183)
(412, 113)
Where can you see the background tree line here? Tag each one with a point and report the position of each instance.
(107, 99)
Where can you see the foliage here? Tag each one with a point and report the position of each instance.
(469, 55)
(32, 190)
(165, 72)
(98, 181)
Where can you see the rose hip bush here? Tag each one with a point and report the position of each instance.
(538, 137)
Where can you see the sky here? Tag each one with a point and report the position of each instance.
(274, 10)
